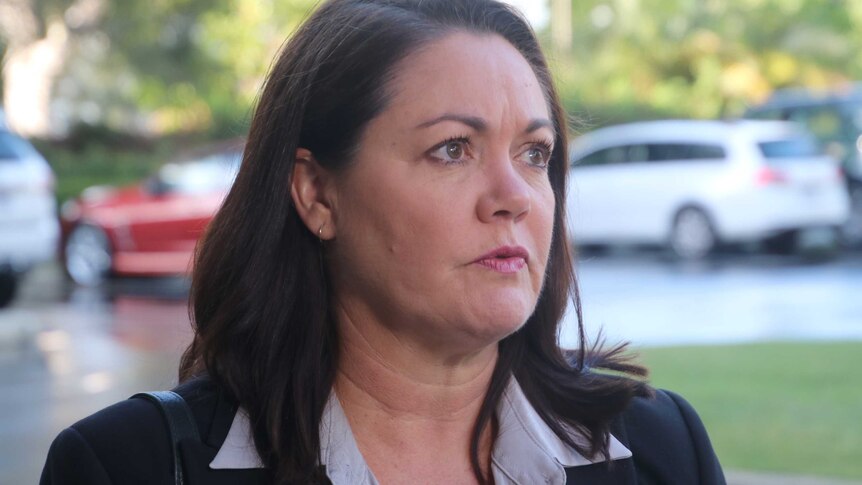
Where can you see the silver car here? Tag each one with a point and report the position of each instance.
(691, 185)
(29, 228)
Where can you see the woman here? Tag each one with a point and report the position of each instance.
(378, 299)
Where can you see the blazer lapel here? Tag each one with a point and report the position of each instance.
(617, 472)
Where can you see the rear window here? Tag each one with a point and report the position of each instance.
(7, 152)
(662, 152)
(12, 147)
(607, 156)
(653, 152)
(791, 148)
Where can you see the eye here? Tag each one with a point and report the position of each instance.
(453, 150)
(538, 154)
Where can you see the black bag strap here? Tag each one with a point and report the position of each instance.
(181, 423)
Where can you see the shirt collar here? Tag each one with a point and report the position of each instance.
(338, 449)
(526, 450)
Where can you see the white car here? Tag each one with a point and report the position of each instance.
(29, 227)
(691, 185)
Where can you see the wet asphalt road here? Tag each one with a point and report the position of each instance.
(67, 352)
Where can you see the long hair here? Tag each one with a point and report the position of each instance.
(259, 298)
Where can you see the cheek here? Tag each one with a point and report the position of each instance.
(543, 226)
(394, 224)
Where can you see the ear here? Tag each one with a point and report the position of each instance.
(311, 189)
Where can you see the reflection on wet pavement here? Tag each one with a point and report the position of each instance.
(754, 299)
(62, 360)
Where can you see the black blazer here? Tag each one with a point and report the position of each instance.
(128, 443)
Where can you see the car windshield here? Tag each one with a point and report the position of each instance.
(214, 173)
(801, 147)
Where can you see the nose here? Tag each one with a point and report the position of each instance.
(506, 196)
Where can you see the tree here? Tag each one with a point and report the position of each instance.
(706, 58)
(156, 67)
(37, 35)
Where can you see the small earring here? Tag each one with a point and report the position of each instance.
(320, 232)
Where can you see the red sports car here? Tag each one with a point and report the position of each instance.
(149, 229)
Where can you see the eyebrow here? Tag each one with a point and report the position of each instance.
(539, 123)
(474, 122)
(479, 124)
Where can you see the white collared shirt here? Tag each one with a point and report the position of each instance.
(526, 451)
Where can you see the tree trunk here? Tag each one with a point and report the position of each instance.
(29, 73)
(561, 25)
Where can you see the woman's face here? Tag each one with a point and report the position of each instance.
(443, 220)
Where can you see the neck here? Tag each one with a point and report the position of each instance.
(381, 372)
(405, 402)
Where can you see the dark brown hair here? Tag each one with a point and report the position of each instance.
(259, 298)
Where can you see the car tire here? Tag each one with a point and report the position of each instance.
(783, 244)
(692, 236)
(8, 286)
(88, 255)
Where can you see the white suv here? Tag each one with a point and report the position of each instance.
(691, 185)
(29, 228)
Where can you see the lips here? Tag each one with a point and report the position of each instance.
(505, 259)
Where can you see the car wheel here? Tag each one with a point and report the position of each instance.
(819, 243)
(8, 285)
(88, 255)
(783, 244)
(692, 236)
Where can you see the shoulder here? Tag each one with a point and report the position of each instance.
(665, 411)
(667, 439)
(127, 442)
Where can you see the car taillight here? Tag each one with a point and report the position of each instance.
(770, 176)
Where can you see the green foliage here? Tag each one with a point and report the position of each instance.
(705, 58)
(102, 157)
(171, 66)
(167, 66)
(241, 40)
(783, 407)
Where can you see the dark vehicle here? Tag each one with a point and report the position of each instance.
(835, 118)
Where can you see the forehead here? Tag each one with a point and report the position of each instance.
(479, 73)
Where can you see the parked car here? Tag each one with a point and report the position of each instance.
(835, 118)
(148, 229)
(691, 185)
(28, 211)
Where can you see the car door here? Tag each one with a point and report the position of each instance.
(28, 223)
(173, 218)
(597, 194)
(170, 222)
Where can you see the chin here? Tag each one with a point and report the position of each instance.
(499, 322)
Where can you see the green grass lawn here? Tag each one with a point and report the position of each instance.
(784, 407)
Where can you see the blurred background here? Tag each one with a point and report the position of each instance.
(715, 200)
